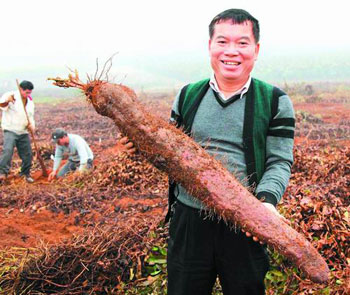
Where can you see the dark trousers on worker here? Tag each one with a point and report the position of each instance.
(24, 149)
(73, 166)
(201, 249)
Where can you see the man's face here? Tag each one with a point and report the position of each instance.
(233, 51)
(63, 141)
(25, 93)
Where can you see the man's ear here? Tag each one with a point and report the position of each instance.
(257, 49)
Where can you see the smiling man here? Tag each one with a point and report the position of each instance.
(249, 126)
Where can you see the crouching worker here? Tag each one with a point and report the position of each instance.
(79, 152)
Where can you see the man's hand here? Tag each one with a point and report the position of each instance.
(4, 104)
(30, 128)
(124, 145)
(82, 169)
(11, 98)
(52, 175)
(273, 209)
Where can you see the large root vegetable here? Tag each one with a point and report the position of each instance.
(204, 177)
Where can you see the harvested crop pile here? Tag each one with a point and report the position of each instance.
(92, 263)
(129, 173)
(187, 163)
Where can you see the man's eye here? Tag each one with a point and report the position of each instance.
(222, 42)
(244, 43)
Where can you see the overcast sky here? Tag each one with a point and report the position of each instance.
(72, 32)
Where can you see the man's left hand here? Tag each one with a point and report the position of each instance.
(124, 145)
(30, 128)
(82, 170)
(273, 209)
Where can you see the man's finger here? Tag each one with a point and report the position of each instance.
(132, 151)
(255, 239)
(248, 234)
(129, 145)
(124, 140)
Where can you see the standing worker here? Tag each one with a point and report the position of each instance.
(248, 125)
(79, 152)
(15, 127)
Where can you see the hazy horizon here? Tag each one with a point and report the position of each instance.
(164, 44)
(172, 72)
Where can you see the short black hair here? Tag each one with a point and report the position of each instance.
(58, 133)
(26, 85)
(237, 16)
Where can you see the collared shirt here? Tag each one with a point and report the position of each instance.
(214, 85)
(13, 116)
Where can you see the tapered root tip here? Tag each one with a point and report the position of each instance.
(321, 278)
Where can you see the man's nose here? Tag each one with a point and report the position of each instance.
(231, 49)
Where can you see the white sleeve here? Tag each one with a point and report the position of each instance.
(4, 99)
(31, 115)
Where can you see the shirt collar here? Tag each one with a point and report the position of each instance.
(19, 96)
(214, 85)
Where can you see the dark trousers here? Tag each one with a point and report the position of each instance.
(72, 166)
(24, 149)
(200, 249)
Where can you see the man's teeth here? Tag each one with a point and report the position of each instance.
(231, 63)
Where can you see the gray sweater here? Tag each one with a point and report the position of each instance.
(219, 129)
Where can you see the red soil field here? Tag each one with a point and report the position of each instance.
(120, 186)
(25, 229)
(23, 226)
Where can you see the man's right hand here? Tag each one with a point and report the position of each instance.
(11, 98)
(30, 128)
(273, 209)
(52, 175)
